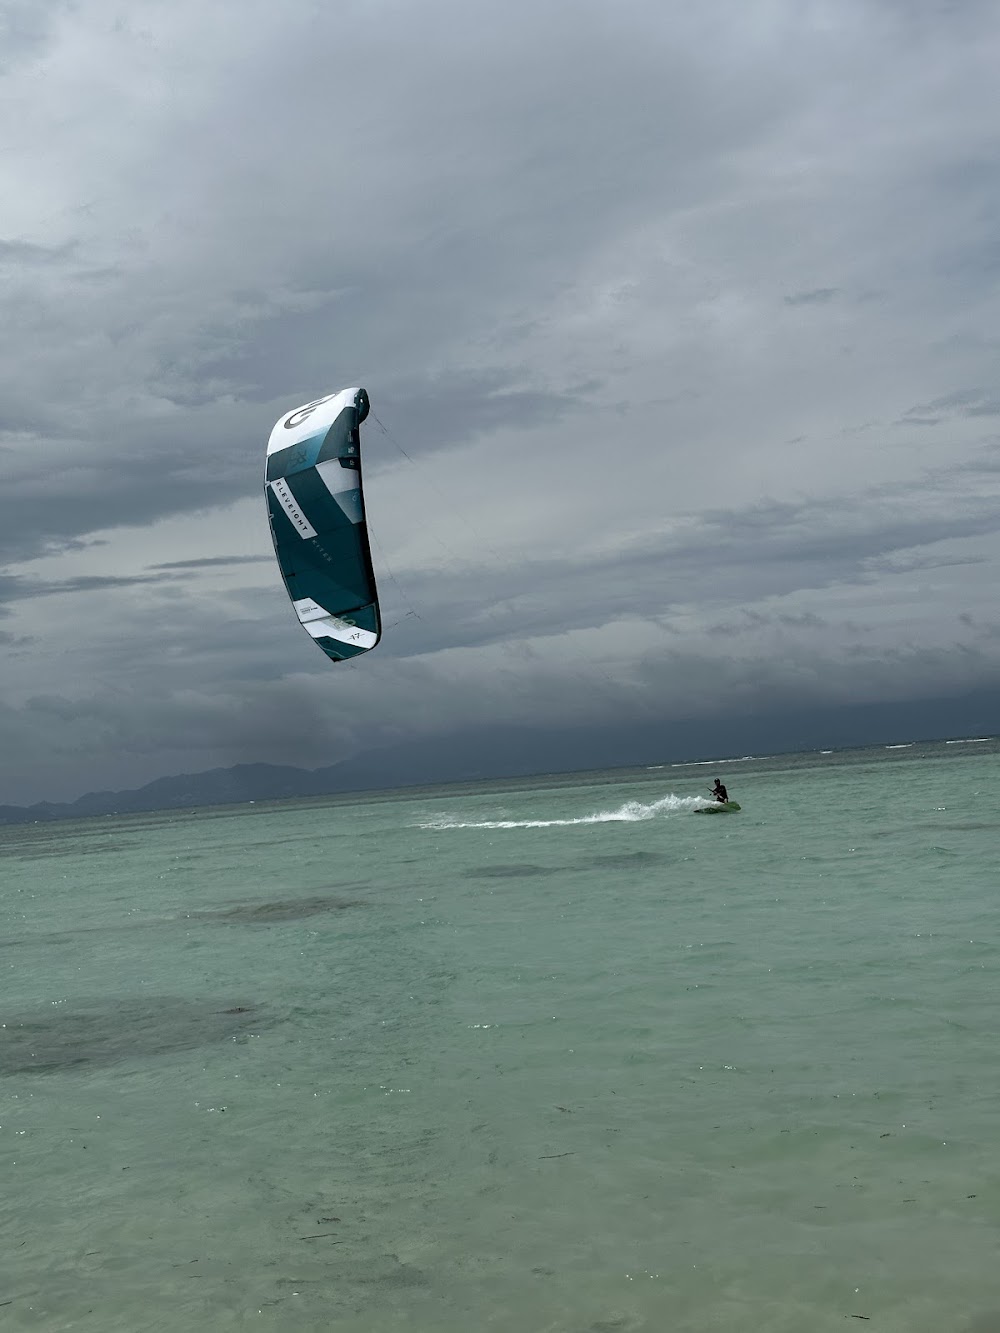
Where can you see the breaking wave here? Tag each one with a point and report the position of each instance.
(632, 812)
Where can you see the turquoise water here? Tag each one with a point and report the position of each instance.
(527, 1056)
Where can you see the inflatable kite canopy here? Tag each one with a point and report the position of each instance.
(316, 508)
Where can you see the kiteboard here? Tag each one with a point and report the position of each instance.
(719, 808)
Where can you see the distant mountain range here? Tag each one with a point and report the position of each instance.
(451, 759)
(219, 786)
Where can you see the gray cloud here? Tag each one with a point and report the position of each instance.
(736, 556)
(24, 254)
(14, 589)
(575, 255)
(26, 30)
(818, 296)
(213, 562)
(961, 402)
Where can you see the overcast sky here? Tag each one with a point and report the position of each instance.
(682, 322)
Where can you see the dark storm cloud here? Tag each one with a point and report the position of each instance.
(214, 562)
(15, 589)
(907, 564)
(752, 621)
(476, 405)
(963, 402)
(25, 254)
(818, 296)
(25, 29)
(80, 491)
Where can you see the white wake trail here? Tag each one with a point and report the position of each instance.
(632, 812)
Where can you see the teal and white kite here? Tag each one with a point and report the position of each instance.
(317, 514)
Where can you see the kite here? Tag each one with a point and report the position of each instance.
(316, 509)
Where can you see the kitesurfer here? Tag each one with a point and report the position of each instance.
(719, 793)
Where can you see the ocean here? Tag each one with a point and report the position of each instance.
(535, 1056)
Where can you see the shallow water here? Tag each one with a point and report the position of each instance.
(539, 1055)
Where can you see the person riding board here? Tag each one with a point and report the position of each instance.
(719, 793)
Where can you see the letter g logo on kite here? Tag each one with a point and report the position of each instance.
(297, 418)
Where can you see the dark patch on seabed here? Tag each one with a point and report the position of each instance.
(962, 828)
(906, 831)
(355, 1279)
(56, 1038)
(284, 909)
(47, 938)
(510, 871)
(626, 860)
(989, 1322)
(239, 914)
(27, 850)
(387, 1271)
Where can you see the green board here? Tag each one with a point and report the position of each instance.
(723, 808)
